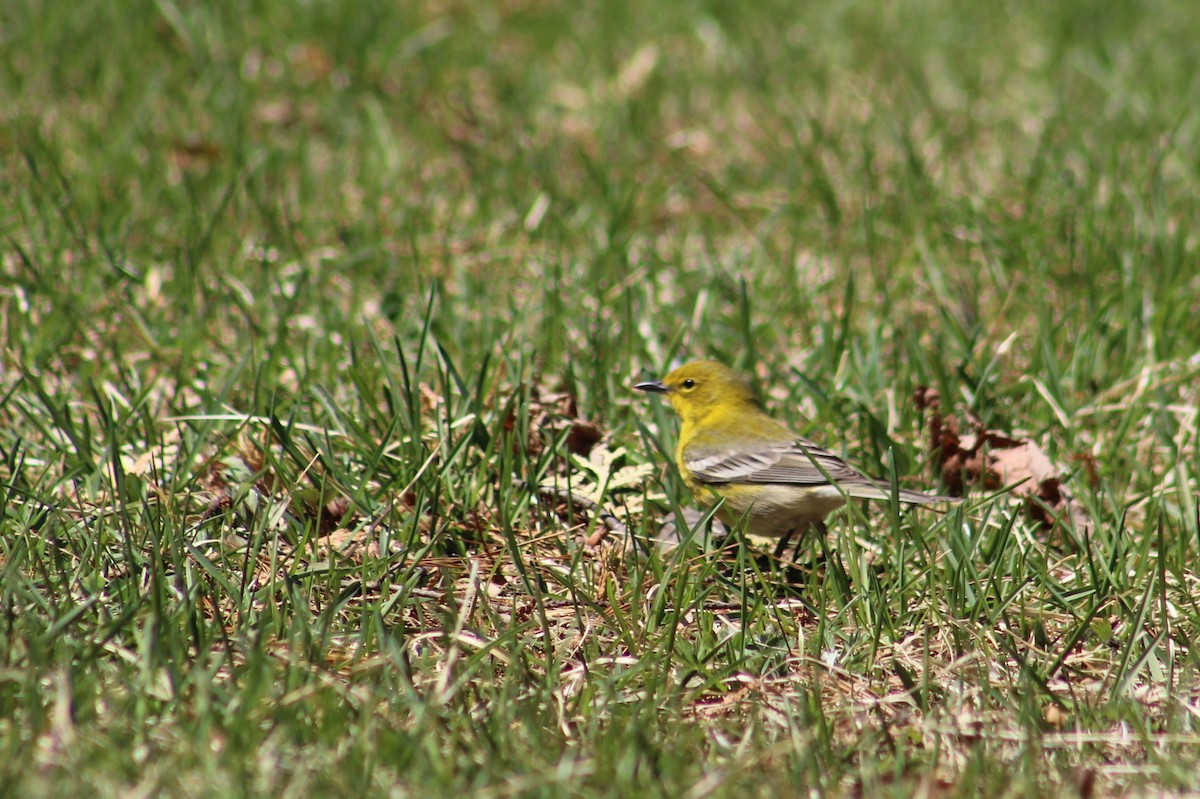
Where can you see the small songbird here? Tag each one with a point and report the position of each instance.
(774, 479)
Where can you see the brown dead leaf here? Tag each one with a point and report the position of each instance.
(1084, 780)
(928, 786)
(328, 512)
(342, 540)
(252, 452)
(1054, 716)
(582, 436)
(274, 112)
(311, 62)
(553, 413)
(194, 152)
(219, 504)
(992, 460)
(1089, 467)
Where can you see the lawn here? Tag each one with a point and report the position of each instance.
(321, 468)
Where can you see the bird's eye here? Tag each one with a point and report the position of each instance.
(689, 383)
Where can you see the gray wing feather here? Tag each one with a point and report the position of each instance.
(798, 463)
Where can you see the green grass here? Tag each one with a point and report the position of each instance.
(301, 303)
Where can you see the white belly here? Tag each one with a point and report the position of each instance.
(780, 509)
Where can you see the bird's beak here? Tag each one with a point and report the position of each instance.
(653, 386)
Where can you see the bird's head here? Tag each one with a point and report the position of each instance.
(699, 388)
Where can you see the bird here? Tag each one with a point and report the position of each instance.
(777, 481)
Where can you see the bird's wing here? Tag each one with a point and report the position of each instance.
(799, 463)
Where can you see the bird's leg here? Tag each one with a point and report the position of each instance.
(821, 530)
(782, 545)
(791, 570)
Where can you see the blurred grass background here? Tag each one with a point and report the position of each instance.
(273, 270)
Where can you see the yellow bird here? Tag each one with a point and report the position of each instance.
(776, 480)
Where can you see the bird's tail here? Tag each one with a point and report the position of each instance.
(874, 490)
